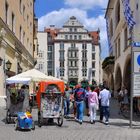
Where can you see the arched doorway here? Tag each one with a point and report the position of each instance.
(118, 79)
(111, 84)
(127, 74)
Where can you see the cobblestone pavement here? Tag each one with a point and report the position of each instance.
(118, 129)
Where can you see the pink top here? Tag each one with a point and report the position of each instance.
(92, 97)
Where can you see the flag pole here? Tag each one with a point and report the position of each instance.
(131, 92)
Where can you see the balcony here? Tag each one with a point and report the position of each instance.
(108, 64)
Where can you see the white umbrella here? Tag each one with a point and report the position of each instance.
(33, 75)
(18, 80)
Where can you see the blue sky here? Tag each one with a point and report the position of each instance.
(89, 12)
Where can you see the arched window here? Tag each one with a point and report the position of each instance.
(117, 13)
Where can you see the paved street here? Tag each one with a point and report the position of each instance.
(117, 130)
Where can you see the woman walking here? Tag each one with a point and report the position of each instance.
(93, 104)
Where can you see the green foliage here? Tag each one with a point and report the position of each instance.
(107, 61)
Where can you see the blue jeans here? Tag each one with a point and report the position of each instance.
(105, 110)
(80, 109)
(66, 107)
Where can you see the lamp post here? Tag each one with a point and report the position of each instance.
(8, 65)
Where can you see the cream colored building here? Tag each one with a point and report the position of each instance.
(119, 72)
(16, 38)
(73, 53)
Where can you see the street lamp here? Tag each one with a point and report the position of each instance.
(1, 61)
(8, 65)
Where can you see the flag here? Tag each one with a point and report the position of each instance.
(108, 36)
(128, 14)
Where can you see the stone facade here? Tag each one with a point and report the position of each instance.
(119, 40)
(16, 38)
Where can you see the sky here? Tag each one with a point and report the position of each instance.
(90, 13)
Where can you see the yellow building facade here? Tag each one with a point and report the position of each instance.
(16, 39)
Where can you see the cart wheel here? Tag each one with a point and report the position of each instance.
(39, 119)
(16, 125)
(60, 121)
(7, 119)
(33, 125)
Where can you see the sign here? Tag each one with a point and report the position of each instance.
(136, 62)
(136, 44)
(136, 86)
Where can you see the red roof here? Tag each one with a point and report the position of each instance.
(95, 36)
(53, 31)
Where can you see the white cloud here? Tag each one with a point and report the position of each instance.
(58, 18)
(86, 4)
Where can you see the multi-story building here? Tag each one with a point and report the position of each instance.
(16, 38)
(73, 53)
(118, 65)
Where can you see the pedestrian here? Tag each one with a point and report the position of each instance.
(93, 103)
(67, 101)
(105, 96)
(79, 96)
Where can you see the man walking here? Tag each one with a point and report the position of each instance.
(79, 99)
(105, 96)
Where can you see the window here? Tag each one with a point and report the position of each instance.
(20, 6)
(40, 66)
(66, 36)
(28, 21)
(40, 54)
(80, 37)
(93, 56)
(23, 37)
(49, 65)
(61, 63)
(70, 37)
(75, 54)
(24, 11)
(61, 55)
(84, 64)
(28, 43)
(84, 73)
(13, 22)
(61, 46)
(119, 47)
(125, 38)
(117, 13)
(93, 73)
(20, 33)
(49, 48)
(73, 45)
(49, 72)
(84, 55)
(70, 29)
(93, 64)
(84, 46)
(49, 56)
(75, 29)
(75, 37)
(61, 72)
(93, 47)
(6, 12)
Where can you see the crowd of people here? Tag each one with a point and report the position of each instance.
(89, 100)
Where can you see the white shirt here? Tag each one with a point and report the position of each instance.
(105, 95)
